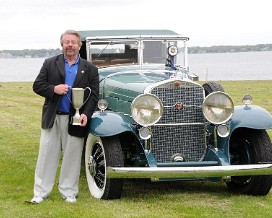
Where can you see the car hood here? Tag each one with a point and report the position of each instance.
(120, 86)
(133, 78)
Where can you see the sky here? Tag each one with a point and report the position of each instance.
(38, 24)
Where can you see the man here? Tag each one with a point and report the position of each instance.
(57, 77)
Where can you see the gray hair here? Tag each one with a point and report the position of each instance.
(71, 32)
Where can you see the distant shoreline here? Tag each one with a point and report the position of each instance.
(41, 53)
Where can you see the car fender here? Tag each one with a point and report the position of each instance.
(109, 123)
(251, 116)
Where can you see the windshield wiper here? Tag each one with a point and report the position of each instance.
(110, 43)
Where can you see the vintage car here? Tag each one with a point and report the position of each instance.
(155, 119)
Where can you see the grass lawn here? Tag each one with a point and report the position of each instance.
(20, 115)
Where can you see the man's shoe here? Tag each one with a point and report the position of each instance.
(36, 200)
(71, 199)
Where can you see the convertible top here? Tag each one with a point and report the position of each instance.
(99, 33)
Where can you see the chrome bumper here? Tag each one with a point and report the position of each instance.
(156, 173)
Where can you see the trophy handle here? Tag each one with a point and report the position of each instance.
(90, 91)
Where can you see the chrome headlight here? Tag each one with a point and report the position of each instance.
(144, 133)
(146, 109)
(173, 50)
(102, 104)
(218, 107)
(223, 130)
(247, 99)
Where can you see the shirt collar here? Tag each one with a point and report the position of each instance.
(65, 59)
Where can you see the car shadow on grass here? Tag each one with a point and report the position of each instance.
(141, 187)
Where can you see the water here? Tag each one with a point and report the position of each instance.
(20, 69)
(216, 66)
(232, 66)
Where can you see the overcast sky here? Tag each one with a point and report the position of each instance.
(36, 24)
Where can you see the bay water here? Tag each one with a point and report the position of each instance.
(210, 66)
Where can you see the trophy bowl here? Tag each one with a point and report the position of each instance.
(78, 102)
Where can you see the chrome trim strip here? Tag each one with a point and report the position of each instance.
(157, 173)
(185, 105)
(137, 37)
(149, 88)
(178, 124)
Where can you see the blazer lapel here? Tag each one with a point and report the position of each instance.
(80, 72)
(60, 65)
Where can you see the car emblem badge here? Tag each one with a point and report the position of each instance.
(179, 106)
(177, 84)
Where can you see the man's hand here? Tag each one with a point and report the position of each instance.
(61, 89)
(83, 120)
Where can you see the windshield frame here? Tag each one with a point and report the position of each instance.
(180, 60)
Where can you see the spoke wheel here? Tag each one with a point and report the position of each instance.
(100, 153)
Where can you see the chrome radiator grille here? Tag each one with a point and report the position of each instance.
(179, 131)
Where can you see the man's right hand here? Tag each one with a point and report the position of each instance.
(61, 89)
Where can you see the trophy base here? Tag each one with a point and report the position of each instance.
(75, 121)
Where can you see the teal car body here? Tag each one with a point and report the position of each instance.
(156, 120)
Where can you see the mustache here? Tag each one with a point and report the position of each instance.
(70, 48)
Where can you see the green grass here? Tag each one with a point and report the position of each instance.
(20, 115)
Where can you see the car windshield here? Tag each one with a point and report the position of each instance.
(113, 52)
(116, 52)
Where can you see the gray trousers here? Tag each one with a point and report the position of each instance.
(54, 141)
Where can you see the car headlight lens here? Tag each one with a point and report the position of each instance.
(247, 99)
(223, 130)
(102, 104)
(172, 50)
(144, 133)
(146, 109)
(218, 107)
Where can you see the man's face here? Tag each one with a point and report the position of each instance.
(70, 45)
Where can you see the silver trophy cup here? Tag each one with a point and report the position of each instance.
(78, 102)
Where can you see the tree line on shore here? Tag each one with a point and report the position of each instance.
(230, 48)
(40, 53)
(29, 53)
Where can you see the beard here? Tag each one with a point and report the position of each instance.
(70, 52)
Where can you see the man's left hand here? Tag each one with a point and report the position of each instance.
(83, 120)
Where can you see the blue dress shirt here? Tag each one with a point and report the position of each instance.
(70, 75)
